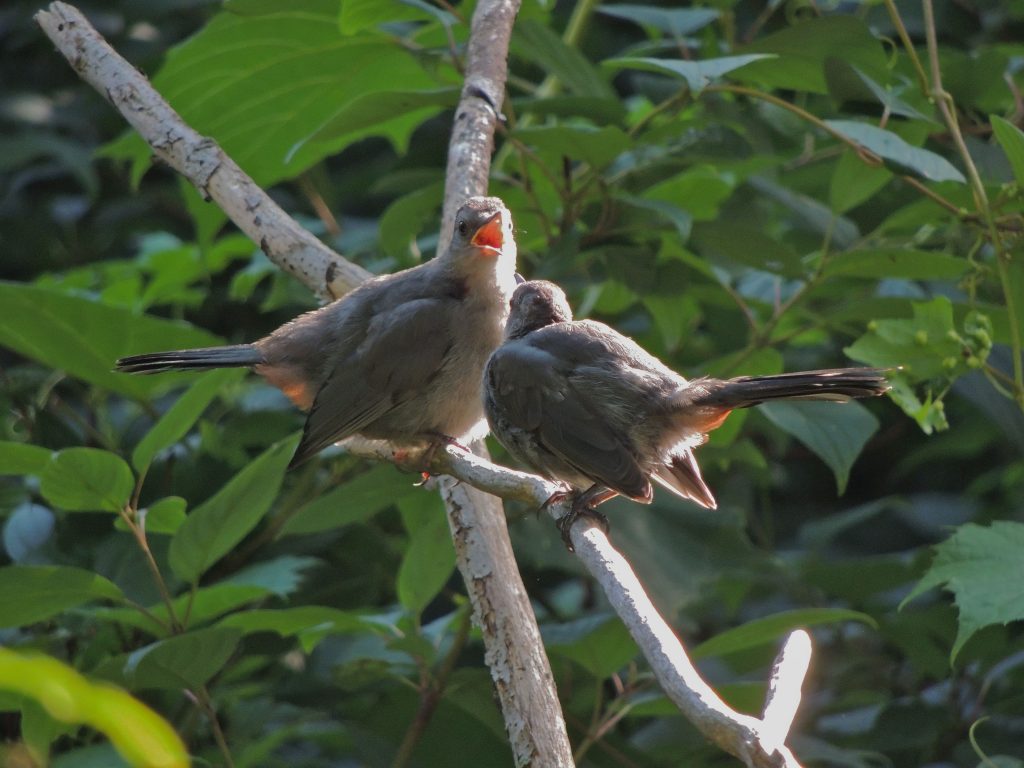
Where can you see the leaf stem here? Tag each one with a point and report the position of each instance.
(431, 692)
(202, 696)
(128, 515)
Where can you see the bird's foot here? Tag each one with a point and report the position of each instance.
(581, 507)
(557, 497)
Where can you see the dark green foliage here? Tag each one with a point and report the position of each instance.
(744, 191)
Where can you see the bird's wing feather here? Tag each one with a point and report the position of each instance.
(400, 352)
(536, 394)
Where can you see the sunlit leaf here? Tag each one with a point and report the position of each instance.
(977, 564)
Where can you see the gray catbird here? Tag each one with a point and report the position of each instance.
(400, 357)
(579, 402)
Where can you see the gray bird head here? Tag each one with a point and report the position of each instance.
(483, 232)
(534, 305)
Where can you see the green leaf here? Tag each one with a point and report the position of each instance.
(802, 49)
(140, 736)
(980, 566)
(407, 216)
(697, 74)
(353, 502)
(31, 593)
(920, 345)
(85, 337)
(218, 524)
(87, 480)
(836, 432)
(847, 82)
(358, 15)
(180, 417)
(184, 661)
(854, 182)
(165, 515)
(676, 22)
(601, 644)
(280, 576)
(309, 623)
(23, 458)
(430, 557)
(538, 44)
(597, 146)
(894, 149)
(1011, 139)
(770, 629)
(879, 263)
(261, 77)
(378, 107)
(699, 191)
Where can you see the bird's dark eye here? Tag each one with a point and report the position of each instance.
(461, 226)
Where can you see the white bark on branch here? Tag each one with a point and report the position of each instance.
(758, 742)
(514, 650)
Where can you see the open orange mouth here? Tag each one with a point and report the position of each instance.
(490, 234)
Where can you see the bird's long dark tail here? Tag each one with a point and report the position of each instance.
(235, 356)
(836, 384)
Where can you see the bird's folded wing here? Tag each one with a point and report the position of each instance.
(535, 394)
(402, 349)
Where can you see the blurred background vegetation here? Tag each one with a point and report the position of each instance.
(796, 200)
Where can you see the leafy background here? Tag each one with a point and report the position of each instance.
(744, 188)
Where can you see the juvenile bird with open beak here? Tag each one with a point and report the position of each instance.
(579, 402)
(400, 357)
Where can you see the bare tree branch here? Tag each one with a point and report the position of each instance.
(758, 742)
(514, 651)
(198, 158)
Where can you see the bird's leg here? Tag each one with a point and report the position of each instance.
(585, 505)
(557, 497)
(436, 441)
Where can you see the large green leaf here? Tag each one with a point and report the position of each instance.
(180, 417)
(981, 566)
(1011, 139)
(309, 623)
(802, 49)
(184, 661)
(676, 22)
(539, 45)
(260, 78)
(23, 458)
(836, 432)
(377, 107)
(87, 479)
(215, 526)
(31, 593)
(354, 501)
(898, 152)
(430, 557)
(854, 182)
(597, 146)
(920, 345)
(879, 263)
(770, 628)
(85, 337)
(697, 74)
(601, 644)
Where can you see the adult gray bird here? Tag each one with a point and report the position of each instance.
(579, 402)
(399, 358)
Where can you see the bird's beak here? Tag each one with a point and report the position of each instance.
(490, 234)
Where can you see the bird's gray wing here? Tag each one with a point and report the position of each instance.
(401, 350)
(533, 392)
